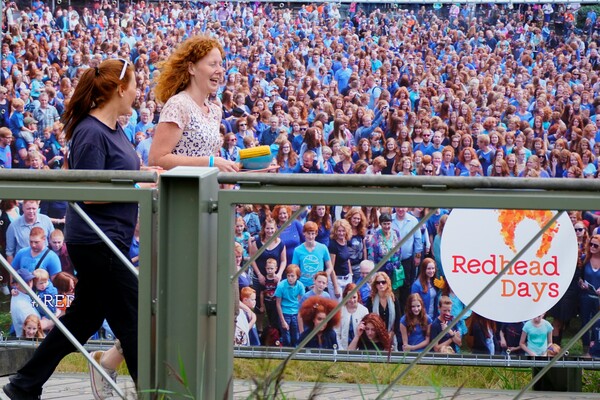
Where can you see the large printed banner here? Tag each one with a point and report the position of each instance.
(477, 244)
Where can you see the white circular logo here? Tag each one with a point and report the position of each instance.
(477, 244)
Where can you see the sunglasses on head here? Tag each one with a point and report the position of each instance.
(124, 69)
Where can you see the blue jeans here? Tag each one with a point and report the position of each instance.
(290, 337)
(588, 308)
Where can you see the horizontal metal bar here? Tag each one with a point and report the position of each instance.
(73, 175)
(412, 197)
(394, 181)
(75, 191)
(92, 345)
(473, 360)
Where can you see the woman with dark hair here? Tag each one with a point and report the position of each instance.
(313, 311)
(481, 335)
(589, 283)
(372, 335)
(321, 215)
(97, 142)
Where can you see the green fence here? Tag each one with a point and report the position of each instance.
(204, 346)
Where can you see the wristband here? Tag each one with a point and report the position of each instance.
(211, 161)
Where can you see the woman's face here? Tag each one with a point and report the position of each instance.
(320, 211)
(341, 233)
(594, 246)
(320, 317)
(353, 301)
(30, 330)
(415, 307)
(370, 331)
(207, 73)
(579, 229)
(355, 220)
(270, 229)
(365, 146)
(511, 161)
(283, 216)
(467, 156)
(430, 270)
(386, 227)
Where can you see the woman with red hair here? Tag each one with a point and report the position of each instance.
(313, 311)
(372, 335)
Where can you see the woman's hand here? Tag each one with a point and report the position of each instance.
(261, 279)
(226, 165)
(361, 328)
(285, 325)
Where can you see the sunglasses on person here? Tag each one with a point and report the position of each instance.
(124, 69)
(428, 171)
(594, 245)
(380, 282)
(579, 229)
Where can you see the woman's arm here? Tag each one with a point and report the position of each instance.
(404, 335)
(282, 264)
(424, 343)
(331, 273)
(284, 324)
(523, 344)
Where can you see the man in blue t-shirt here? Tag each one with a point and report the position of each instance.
(37, 255)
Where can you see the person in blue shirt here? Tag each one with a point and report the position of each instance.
(37, 255)
(288, 294)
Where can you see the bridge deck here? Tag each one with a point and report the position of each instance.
(76, 387)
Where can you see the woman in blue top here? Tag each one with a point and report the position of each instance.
(292, 236)
(423, 285)
(590, 286)
(414, 324)
(97, 142)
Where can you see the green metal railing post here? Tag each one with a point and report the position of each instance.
(186, 283)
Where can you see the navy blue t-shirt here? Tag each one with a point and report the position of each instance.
(98, 147)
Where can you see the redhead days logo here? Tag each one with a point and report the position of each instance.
(477, 244)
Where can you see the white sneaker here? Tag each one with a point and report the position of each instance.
(101, 389)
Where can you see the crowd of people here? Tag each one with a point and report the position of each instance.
(490, 90)
(327, 251)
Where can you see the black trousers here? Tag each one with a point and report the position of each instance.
(409, 278)
(107, 289)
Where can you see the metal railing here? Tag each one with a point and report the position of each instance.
(99, 186)
(431, 192)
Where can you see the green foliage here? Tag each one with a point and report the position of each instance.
(582, 12)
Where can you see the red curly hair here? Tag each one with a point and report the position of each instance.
(383, 340)
(174, 75)
(317, 304)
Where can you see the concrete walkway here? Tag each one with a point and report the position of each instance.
(76, 387)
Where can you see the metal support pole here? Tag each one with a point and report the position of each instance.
(186, 285)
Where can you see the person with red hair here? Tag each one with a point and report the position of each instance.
(372, 335)
(313, 311)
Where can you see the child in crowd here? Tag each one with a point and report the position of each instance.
(536, 336)
(510, 337)
(243, 280)
(318, 289)
(241, 235)
(44, 288)
(32, 328)
(287, 295)
(57, 244)
(451, 341)
(267, 294)
(415, 324)
(251, 218)
(248, 298)
(313, 312)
